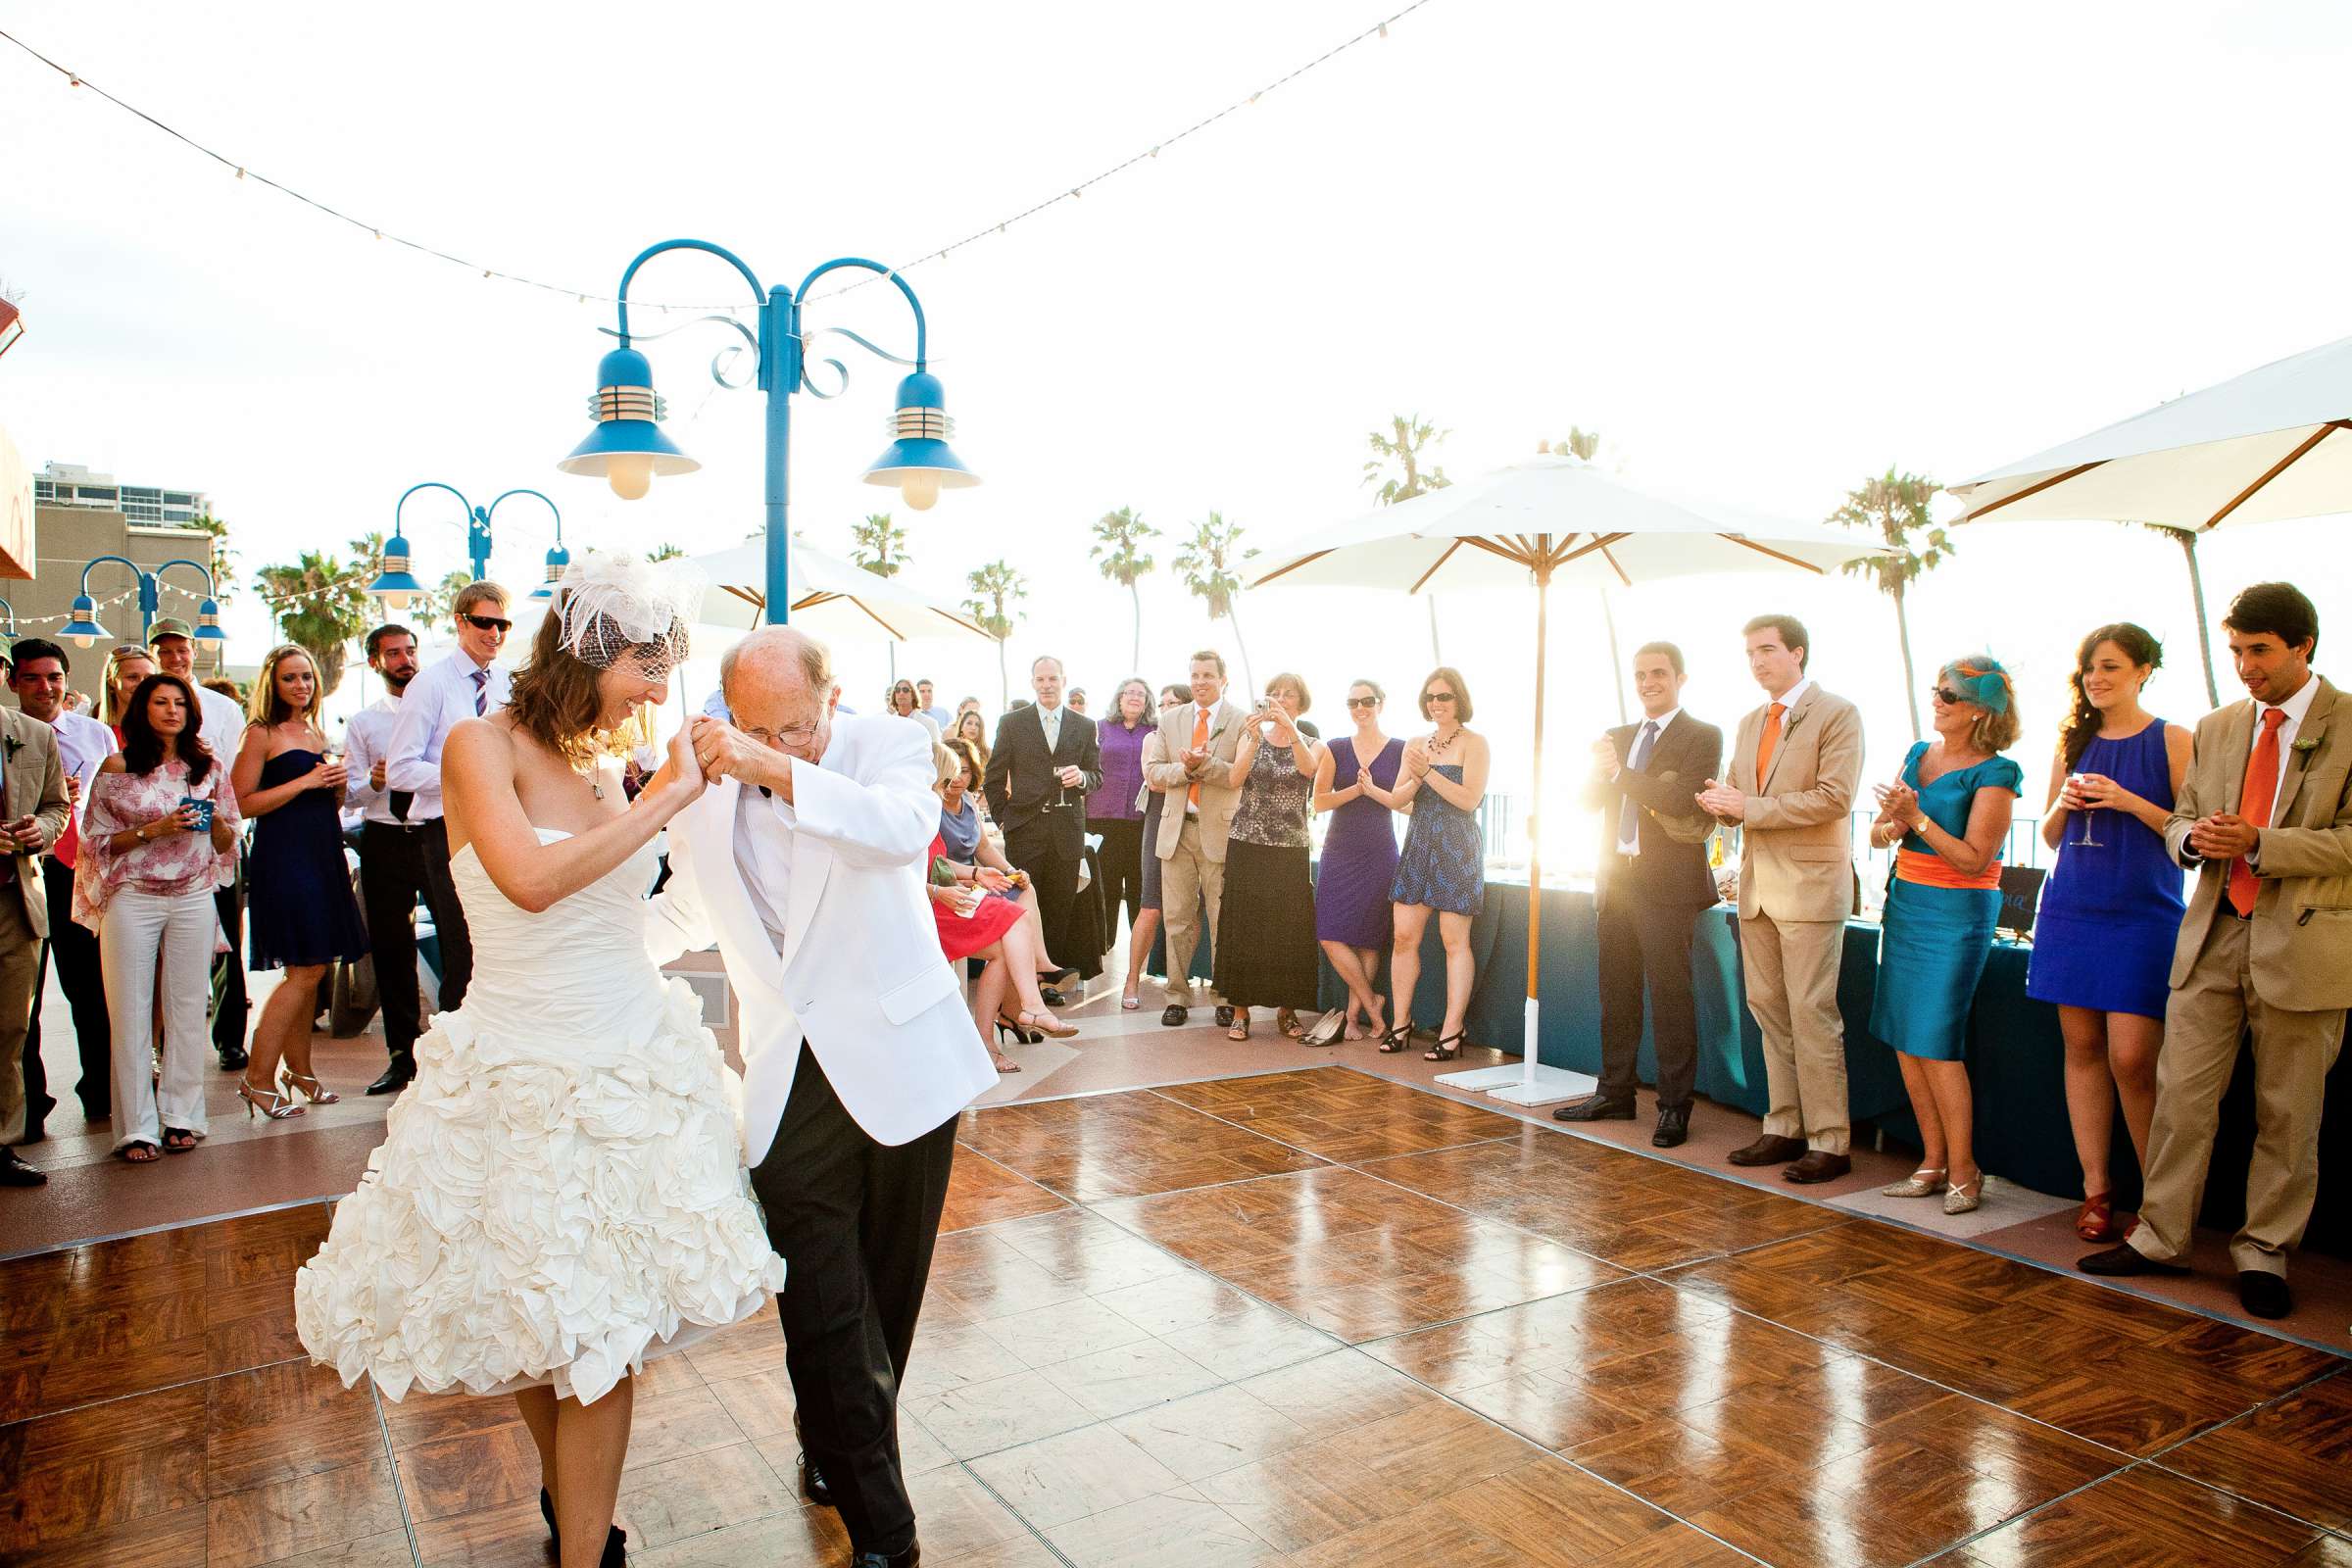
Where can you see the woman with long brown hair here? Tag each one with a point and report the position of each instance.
(2110, 910)
(565, 1170)
(300, 914)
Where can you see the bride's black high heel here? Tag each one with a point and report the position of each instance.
(617, 1540)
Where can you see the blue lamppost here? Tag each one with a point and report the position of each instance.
(396, 583)
(627, 448)
(84, 628)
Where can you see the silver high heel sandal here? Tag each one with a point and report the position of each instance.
(1924, 1182)
(1964, 1197)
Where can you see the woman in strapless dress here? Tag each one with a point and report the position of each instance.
(559, 1195)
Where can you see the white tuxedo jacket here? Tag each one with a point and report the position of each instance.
(862, 977)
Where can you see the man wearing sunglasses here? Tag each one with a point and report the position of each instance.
(444, 695)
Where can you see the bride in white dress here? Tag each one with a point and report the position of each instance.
(560, 1194)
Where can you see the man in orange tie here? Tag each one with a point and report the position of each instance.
(1791, 790)
(2264, 819)
(1194, 826)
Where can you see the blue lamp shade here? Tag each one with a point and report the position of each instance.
(917, 460)
(208, 622)
(557, 560)
(393, 584)
(83, 629)
(626, 447)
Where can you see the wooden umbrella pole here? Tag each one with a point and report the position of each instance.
(1535, 826)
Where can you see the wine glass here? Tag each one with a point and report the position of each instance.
(2088, 837)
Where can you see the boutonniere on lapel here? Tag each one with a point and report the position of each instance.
(12, 745)
(1790, 723)
(2305, 744)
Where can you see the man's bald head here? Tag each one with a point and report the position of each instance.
(779, 686)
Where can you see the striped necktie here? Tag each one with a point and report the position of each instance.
(481, 693)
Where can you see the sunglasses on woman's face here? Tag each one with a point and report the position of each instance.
(1437, 696)
(1363, 701)
(1946, 696)
(488, 623)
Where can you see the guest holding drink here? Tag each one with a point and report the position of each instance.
(1353, 777)
(290, 781)
(1140, 935)
(1265, 943)
(1442, 867)
(1116, 811)
(1950, 811)
(2110, 910)
(157, 833)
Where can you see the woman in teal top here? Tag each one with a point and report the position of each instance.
(1950, 813)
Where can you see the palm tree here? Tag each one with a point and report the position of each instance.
(2186, 539)
(1407, 435)
(224, 559)
(1207, 563)
(1895, 508)
(663, 552)
(880, 547)
(995, 588)
(1119, 540)
(321, 606)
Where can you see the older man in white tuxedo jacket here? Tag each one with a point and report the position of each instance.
(806, 862)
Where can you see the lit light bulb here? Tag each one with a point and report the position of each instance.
(83, 642)
(630, 474)
(396, 599)
(920, 488)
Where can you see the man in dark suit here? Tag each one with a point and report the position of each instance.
(1045, 763)
(1653, 883)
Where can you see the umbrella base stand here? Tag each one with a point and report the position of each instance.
(1530, 1083)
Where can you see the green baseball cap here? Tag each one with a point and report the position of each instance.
(169, 626)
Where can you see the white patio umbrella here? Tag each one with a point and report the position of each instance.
(831, 597)
(1548, 519)
(2271, 444)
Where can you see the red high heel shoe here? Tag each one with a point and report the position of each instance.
(2096, 1221)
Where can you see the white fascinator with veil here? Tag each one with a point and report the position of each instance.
(613, 604)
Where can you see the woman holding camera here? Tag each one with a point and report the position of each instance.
(302, 916)
(156, 838)
(1265, 949)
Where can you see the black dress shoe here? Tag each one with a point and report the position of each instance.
(888, 1559)
(2125, 1259)
(2263, 1294)
(233, 1059)
(1818, 1166)
(616, 1539)
(1224, 1017)
(1051, 997)
(13, 1172)
(812, 1483)
(397, 1077)
(1171, 1016)
(1674, 1125)
(1770, 1149)
(1595, 1108)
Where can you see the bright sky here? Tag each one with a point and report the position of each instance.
(1765, 251)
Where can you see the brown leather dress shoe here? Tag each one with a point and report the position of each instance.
(1768, 1149)
(1818, 1166)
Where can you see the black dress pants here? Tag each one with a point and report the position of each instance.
(398, 865)
(1646, 946)
(229, 1024)
(73, 950)
(854, 1222)
(1122, 860)
(1052, 849)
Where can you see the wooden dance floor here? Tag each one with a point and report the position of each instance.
(1314, 1316)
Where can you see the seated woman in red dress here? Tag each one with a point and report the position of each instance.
(976, 924)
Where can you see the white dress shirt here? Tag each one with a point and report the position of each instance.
(1625, 764)
(83, 746)
(437, 701)
(2296, 708)
(223, 725)
(765, 829)
(368, 739)
(1788, 698)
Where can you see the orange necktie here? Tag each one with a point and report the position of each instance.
(1192, 796)
(1767, 741)
(2254, 804)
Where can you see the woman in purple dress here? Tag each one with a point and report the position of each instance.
(1352, 781)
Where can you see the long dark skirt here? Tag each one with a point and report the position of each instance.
(1265, 948)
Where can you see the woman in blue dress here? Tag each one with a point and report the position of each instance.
(1444, 866)
(1949, 813)
(2111, 908)
(1352, 780)
(300, 914)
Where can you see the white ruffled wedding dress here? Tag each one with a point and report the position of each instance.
(560, 1191)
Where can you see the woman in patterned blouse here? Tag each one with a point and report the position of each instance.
(156, 838)
(1265, 948)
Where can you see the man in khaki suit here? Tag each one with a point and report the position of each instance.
(1202, 736)
(1791, 790)
(33, 814)
(2264, 819)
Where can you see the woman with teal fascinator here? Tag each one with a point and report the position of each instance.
(1949, 813)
